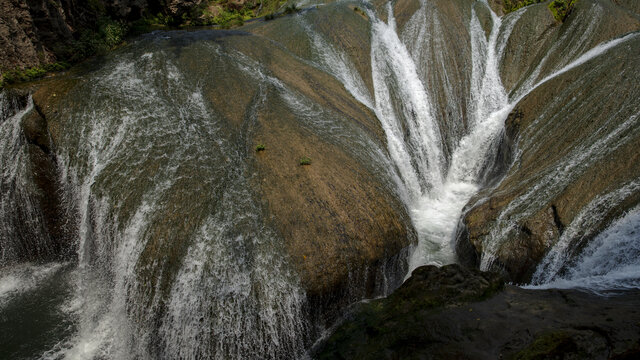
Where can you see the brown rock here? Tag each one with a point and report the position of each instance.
(548, 132)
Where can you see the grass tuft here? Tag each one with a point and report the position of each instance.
(305, 161)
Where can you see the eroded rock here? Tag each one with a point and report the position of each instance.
(453, 312)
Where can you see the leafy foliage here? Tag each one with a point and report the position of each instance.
(22, 75)
(561, 8)
(291, 9)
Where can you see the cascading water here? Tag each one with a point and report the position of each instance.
(611, 261)
(22, 228)
(437, 199)
(597, 146)
(164, 273)
(437, 187)
(233, 279)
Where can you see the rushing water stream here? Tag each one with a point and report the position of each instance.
(146, 145)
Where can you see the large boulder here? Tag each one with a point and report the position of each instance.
(453, 312)
(158, 143)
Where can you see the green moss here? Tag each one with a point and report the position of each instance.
(561, 8)
(547, 346)
(513, 5)
(305, 161)
(29, 74)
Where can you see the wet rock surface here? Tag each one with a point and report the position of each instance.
(547, 127)
(453, 312)
(339, 223)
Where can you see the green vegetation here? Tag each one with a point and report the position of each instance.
(547, 346)
(561, 8)
(513, 5)
(305, 161)
(107, 33)
(260, 147)
(221, 13)
(22, 75)
(291, 9)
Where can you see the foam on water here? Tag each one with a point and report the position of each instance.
(404, 109)
(438, 189)
(19, 279)
(611, 261)
(338, 64)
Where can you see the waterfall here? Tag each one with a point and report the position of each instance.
(22, 228)
(437, 192)
(232, 294)
(597, 146)
(177, 256)
(609, 262)
(437, 187)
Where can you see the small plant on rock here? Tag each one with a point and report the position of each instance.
(291, 9)
(305, 161)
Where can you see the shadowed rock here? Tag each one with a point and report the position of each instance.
(453, 312)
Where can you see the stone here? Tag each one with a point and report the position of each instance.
(453, 312)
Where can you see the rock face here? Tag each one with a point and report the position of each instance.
(24, 30)
(453, 312)
(46, 177)
(575, 167)
(34, 33)
(33, 216)
(334, 231)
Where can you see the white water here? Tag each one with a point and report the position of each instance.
(611, 261)
(234, 295)
(437, 192)
(19, 279)
(234, 281)
(437, 189)
(22, 227)
(596, 147)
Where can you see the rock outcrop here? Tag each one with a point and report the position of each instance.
(573, 137)
(339, 221)
(453, 312)
(34, 217)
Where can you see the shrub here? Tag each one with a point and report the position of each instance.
(227, 19)
(291, 9)
(260, 147)
(305, 161)
(561, 8)
(22, 75)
